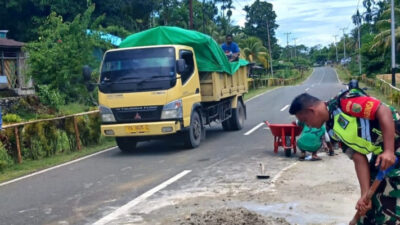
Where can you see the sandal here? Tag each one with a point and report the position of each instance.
(302, 157)
(315, 158)
(331, 153)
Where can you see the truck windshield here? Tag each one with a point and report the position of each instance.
(136, 70)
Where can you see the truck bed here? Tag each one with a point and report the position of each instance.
(215, 86)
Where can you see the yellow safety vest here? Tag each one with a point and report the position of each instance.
(345, 128)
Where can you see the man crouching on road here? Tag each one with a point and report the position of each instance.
(364, 125)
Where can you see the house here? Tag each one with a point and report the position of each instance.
(13, 66)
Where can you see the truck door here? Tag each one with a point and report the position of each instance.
(190, 85)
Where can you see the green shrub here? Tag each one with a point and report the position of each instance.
(62, 142)
(50, 97)
(5, 158)
(11, 118)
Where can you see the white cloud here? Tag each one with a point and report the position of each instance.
(311, 21)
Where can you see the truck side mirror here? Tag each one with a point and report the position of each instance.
(86, 72)
(180, 66)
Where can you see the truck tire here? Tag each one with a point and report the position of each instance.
(238, 117)
(226, 125)
(193, 135)
(288, 152)
(126, 144)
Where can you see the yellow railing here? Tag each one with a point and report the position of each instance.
(388, 90)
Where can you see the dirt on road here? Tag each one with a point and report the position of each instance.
(308, 192)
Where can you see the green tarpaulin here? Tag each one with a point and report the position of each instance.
(209, 55)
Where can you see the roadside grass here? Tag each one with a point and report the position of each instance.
(343, 73)
(68, 109)
(255, 92)
(31, 166)
(73, 108)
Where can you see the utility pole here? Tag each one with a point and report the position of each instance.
(344, 44)
(393, 46)
(269, 48)
(295, 54)
(287, 44)
(337, 60)
(190, 15)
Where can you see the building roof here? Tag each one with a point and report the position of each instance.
(4, 42)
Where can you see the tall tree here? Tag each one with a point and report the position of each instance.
(257, 16)
(252, 48)
(368, 13)
(23, 17)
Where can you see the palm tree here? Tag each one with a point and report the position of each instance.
(253, 49)
(368, 13)
(382, 40)
(229, 7)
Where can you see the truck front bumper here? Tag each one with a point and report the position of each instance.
(141, 129)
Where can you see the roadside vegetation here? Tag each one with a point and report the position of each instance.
(12, 170)
(375, 41)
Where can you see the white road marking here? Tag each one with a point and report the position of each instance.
(124, 209)
(254, 129)
(283, 109)
(271, 187)
(323, 76)
(307, 89)
(252, 98)
(55, 167)
(337, 76)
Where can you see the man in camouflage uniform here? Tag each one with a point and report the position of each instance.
(364, 125)
(386, 200)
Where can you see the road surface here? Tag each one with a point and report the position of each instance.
(109, 187)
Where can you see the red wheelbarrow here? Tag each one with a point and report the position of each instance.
(285, 136)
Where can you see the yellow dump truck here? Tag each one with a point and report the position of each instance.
(151, 91)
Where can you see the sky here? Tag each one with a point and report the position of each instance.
(312, 22)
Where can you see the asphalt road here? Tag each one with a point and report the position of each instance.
(84, 192)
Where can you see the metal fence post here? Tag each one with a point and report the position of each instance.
(18, 144)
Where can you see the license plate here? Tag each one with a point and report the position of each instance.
(137, 129)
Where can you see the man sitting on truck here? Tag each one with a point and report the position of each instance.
(230, 48)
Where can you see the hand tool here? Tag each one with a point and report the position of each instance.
(262, 175)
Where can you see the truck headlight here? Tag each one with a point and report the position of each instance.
(172, 110)
(107, 115)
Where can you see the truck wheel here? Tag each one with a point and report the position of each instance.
(126, 144)
(193, 135)
(288, 152)
(238, 117)
(226, 125)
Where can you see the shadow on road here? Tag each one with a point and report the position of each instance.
(172, 144)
